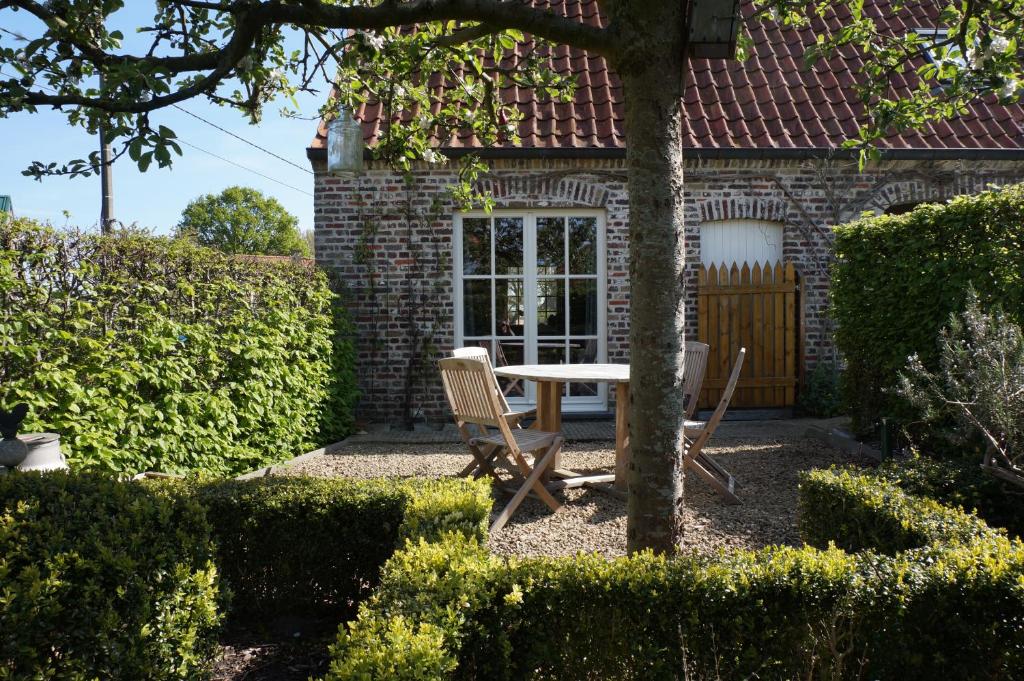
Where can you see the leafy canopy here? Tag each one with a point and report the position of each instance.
(232, 52)
(241, 220)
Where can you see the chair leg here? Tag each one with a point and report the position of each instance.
(539, 488)
(726, 489)
(709, 462)
(532, 480)
(481, 464)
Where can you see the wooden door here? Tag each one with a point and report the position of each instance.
(756, 308)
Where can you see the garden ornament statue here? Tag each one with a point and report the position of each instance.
(12, 450)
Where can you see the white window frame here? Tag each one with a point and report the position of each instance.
(529, 217)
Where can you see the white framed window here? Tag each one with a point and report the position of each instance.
(740, 241)
(531, 287)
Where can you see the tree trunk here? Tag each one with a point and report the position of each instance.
(652, 74)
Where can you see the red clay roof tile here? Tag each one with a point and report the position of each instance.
(773, 100)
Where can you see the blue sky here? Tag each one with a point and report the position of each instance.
(153, 199)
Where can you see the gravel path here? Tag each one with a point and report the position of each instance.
(765, 457)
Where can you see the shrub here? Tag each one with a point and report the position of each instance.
(961, 484)
(979, 388)
(861, 512)
(898, 278)
(297, 544)
(819, 397)
(152, 354)
(951, 606)
(103, 580)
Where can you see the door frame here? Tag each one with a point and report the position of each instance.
(598, 403)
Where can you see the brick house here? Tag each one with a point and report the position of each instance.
(544, 278)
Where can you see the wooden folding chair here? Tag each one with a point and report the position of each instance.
(695, 365)
(473, 394)
(514, 418)
(697, 433)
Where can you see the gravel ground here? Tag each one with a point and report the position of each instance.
(765, 457)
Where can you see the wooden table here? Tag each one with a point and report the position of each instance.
(550, 379)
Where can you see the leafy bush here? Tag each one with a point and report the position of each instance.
(103, 580)
(288, 545)
(951, 606)
(898, 278)
(862, 512)
(152, 354)
(337, 418)
(819, 396)
(979, 387)
(960, 484)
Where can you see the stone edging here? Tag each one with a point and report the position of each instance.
(269, 470)
(843, 441)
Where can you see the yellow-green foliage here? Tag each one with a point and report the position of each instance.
(148, 353)
(948, 604)
(103, 580)
(897, 279)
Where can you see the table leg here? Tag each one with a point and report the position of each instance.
(549, 414)
(621, 434)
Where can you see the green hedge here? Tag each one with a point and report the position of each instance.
(289, 545)
(103, 580)
(952, 606)
(959, 484)
(897, 279)
(152, 354)
(863, 512)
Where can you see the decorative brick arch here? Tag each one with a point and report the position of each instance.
(926, 190)
(743, 208)
(906, 191)
(545, 191)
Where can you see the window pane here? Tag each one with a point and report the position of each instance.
(476, 307)
(511, 352)
(508, 246)
(583, 307)
(510, 307)
(476, 246)
(582, 245)
(550, 245)
(583, 351)
(551, 307)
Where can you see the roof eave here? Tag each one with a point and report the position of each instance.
(725, 153)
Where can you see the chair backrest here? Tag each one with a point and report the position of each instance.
(471, 352)
(695, 364)
(723, 404)
(480, 354)
(472, 391)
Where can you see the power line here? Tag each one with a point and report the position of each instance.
(210, 153)
(256, 172)
(242, 139)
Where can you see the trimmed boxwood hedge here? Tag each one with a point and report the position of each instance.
(302, 544)
(897, 279)
(101, 579)
(948, 603)
(148, 353)
(960, 484)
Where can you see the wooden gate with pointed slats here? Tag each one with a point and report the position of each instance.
(755, 308)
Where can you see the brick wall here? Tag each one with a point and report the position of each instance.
(391, 242)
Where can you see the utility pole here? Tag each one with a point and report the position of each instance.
(106, 180)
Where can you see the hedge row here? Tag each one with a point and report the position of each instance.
(148, 353)
(897, 279)
(102, 579)
(298, 544)
(951, 606)
(959, 484)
